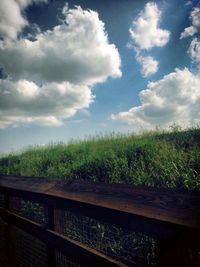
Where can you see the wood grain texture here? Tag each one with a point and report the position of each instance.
(168, 205)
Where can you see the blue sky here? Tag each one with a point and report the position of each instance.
(69, 72)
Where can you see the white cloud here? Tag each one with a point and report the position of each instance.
(194, 50)
(78, 52)
(16, 121)
(149, 65)
(12, 20)
(189, 31)
(49, 79)
(145, 31)
(195, 17)
(173, 99)
(26, 89)
(146, 34)
(176, 97)
(194, 28)
(25, 102)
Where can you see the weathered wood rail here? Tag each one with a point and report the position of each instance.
(170, 216)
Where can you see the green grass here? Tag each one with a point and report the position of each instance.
(157, 158)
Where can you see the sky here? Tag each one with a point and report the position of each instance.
(71, 70)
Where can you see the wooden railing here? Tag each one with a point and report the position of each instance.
(170, 217)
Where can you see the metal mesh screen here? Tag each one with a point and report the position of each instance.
(120, 244)
(3, 251)
(29, 209)
(65, 261)
(2, 200)
(28, 251)
(31, 252)
(194, 255)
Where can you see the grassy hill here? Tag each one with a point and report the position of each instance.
(163, 159)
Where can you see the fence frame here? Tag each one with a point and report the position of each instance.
(172, 216)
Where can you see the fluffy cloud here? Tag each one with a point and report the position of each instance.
(12, 20)
(189, 31)
(194, 50)
(149, 65)
(146, 34)
(145, 31)
(194, 28)
(25, 102)
(50, 78)
(173, 99)
(77, 51)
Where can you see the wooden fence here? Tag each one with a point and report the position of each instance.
(52, 223)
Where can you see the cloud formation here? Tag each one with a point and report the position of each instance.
(77, 51)
(173, 99)
(25, 102)
(149, 65)
(50, 78)
(145, 34)
(194, 28)
(12, 19)
(194, 50)
(145, 31)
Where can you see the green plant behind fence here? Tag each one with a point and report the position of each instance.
(164, 159)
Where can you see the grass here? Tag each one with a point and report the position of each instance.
(156, 158)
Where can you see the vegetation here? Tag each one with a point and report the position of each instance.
(157, 158)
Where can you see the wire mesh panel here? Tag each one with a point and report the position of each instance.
(65, 261)
(28, 251)
(123, 245)
(29, 209)
(120, 244)
(2, 200)
(194, 256)
(3, 249)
